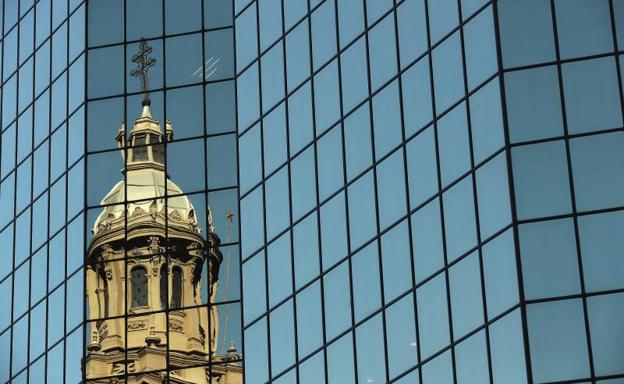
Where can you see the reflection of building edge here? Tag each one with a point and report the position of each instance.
(159, 275)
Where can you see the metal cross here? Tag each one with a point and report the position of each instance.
(144, 62)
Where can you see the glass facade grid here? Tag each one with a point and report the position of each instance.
(437, 133)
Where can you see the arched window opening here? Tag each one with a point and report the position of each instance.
(176, 288)
(138, 277)
(163, 287)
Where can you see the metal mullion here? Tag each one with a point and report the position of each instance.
(572, 190)
(317, 212)
(407, 194)
(618, 62)
(124, 149)
(563, 61)
(263, 186)
(512, 195)
(440, 195)
(582, 295)
(475, 196)
(290, 203)
(85, 310)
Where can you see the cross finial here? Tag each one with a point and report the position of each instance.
(144, 62)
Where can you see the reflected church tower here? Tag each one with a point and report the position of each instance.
(145, 260)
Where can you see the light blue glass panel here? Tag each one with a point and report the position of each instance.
(24, 174)
(309, 319)
(282, 337)
(618, 12)
(443, 18)
(507, 350)
(306, 250)
(439, 370)
(329, 150)
(376, 8)
(591, 95)
(312, 371)
(601, 247)
(583, 27)
(323, 34)
(486, 119)
(448, 74)
(427, 240)
(454, 144)
(56, 260)
(412, 30)
(297, 56)
(270, 15)
(59, 50)
(5, 290)
(54, 362)
(387, 119)
(252, 214)
(382, 52)
(606, 315)
(277, 210)
(274, 143)
(366, 285)
(75, 299)
(340, 368)
(459, 219)
(246, 38)
(468, 7)
(5, 349)
(279, 269)
(300, 118)
(295, 10)
(395, 251)
(56, 328)
(326, 97)
(499, 269)
(526, 32)
(471, 360)
(354, 75)
(254, 288)
(362, 222)
(333, 230)
(105, 21)
(6, 266)
(557, 340)
(272, 64)
(250, 158)
(466, 300)
(19, 355)
(480, 48)
(7, 159)
(417, 101)
(541, 180)
(37, 330)
(302, 178)
(350, 20)
(432, 316)
(493, 196)
(422, 167)
(358, 145)
(549, 259)
(391, 202)
(256, 353)
(401, 335)
(597, 164)
(248, 97)
(533, 104)
(20, 296)
(369, 342)
(337, 300)
(9, 101)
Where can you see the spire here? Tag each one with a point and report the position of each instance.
(144, 62)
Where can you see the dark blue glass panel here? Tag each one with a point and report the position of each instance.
(480, 48)
(606, 314)
(583, 27)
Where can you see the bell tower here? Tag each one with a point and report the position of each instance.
(147, 266)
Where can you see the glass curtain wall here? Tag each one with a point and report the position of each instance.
(42, 215)
(430, 191)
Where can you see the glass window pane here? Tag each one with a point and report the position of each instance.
(369, 339)
(277, 209)
(337, 300)
(549, 259)
(442, 18)
(533, 104)
(326, 97)
(333, 230)
(507, 350)
(329, 150)
(526, 32)
(401, 335)
(433, 327)
(417, 101)
(486, 118)
(459, 219)
(493, 196)
(272, 64)
(387, 120)
(306, 250)
(454, 144)
(392, 202)
(246, 38)
(350, 20)
(270, 16)
(256, 353)
(591, 95)
(323, 34)
(282, 337)
(583, 27)
(303, 184)
(275, 145)
(254, 288)
(279, 269)
(395, 251)
(439, 370)
(382, 52)
(601, 249)
(541, 180)
(427, 240)
(358, 145)
(499, 269)
(340, 368)
(606, 315)
(557, 340)
(598, 180)
(300, 118)
(250, 158)
(480, 48)
(248, 97)
(362, 222)
(471, 360)
(412, 30)
(466, 300)
(252, 214)
(448, 74)
(422, 167)
(309, 319)
(297, 55)
(354, 72)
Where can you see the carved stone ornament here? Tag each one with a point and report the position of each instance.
(176, 326)
(103, 331)
(137, 211)
(137, 325)
(153, 209)
(109, 273)
(175, 215)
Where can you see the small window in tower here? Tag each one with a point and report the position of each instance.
(139, 153)
(176, 288)
(163, 287)
(138, 277)
(158, 153)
